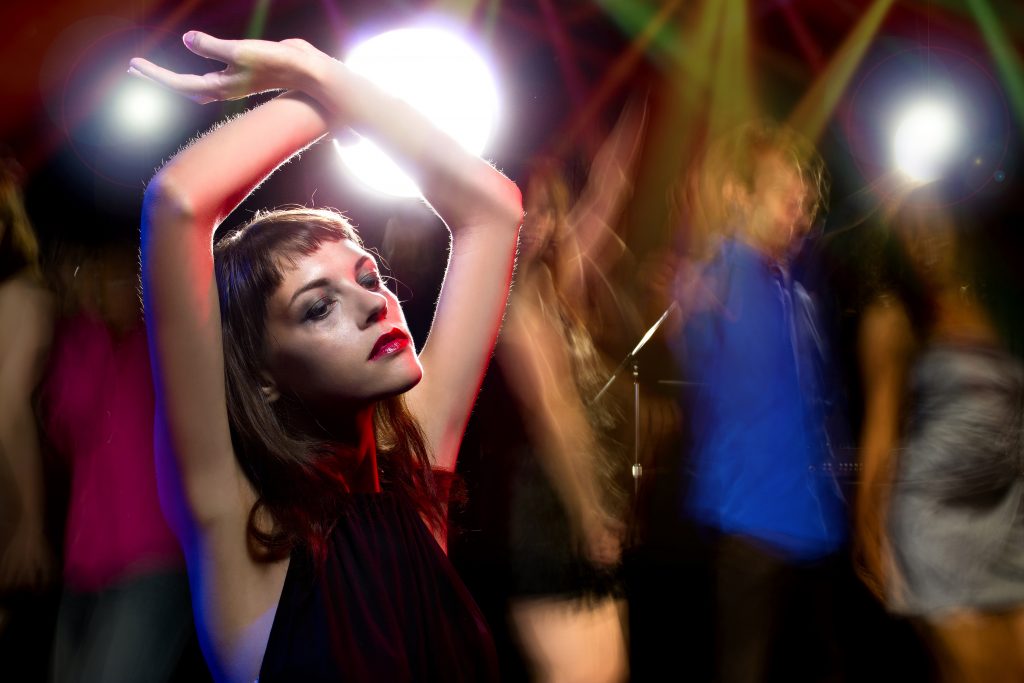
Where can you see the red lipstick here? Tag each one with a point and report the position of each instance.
(389, 343)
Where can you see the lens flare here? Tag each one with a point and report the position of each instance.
(925, 139)
(142, 109)
(437, 73)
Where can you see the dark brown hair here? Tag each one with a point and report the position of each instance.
(298, 478)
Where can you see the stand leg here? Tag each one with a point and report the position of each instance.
(638, 469)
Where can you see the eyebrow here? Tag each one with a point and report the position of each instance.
(323, 281)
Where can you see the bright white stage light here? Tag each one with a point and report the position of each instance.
(142, 108)
(925, 139)
(438, 74)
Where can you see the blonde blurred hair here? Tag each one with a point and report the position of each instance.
(19, 250)
(704, 207)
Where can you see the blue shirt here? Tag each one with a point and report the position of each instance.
(750, 352)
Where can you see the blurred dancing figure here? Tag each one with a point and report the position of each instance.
(940, 518)
(124, 613)
(752, 355)
(567, 608)
(26, 321)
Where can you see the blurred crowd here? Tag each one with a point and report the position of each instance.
(813, 470)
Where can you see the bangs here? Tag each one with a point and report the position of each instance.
(250, 262)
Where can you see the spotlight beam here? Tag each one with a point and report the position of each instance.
(566, 60)
(635, 19)
(733, 100)
(803, 37)
(1008, 61)
(464, 9)
(816, 106)
(490, 21)
(258, 20)
(615, 77)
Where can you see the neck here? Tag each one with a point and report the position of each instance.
(765, 250)
(355, 442)
(360, 440)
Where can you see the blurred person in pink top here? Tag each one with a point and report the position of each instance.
(125, 612)
(26, 320)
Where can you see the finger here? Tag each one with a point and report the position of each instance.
(198, 88)
(205, 45)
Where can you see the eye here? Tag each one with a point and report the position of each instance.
(319, 310)
(371, 280)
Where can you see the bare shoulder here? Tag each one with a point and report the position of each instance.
(886, 325)
(22, 293)
(886, 337)
(26, 311)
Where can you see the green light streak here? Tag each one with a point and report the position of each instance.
(816, 107)
(634, 17)
(258, 21)
(491, 18)
(1008, 62)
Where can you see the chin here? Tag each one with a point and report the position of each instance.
(411, 375)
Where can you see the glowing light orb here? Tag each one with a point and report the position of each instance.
(438, 74)
(925, 139)
(142, 108)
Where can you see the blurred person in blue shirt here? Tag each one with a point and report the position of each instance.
(760, 466)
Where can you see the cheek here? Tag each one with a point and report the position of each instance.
(311, 363)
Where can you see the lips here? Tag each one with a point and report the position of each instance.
(389, 343)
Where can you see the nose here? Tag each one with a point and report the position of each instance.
(375, 307)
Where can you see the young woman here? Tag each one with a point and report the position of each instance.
(939, 517)
(566, 508)
(26, 321)
(294, 419)
(124, 611)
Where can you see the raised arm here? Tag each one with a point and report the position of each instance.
(197, 189)
(592, 220)
(184, 204)
(483, 210)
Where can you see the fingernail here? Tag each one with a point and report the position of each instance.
(189, 38)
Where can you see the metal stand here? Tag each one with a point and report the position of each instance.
(638, 469)
(631, 356)
(631, 360)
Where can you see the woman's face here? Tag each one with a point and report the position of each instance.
(336, 336)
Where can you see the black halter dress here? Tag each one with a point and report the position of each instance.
(385, 605)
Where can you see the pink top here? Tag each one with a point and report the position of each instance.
(98, 402)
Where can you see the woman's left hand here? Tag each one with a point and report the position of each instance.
(253, 66)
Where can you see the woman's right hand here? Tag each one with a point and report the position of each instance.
(253, 66)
